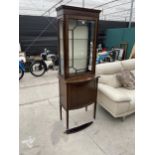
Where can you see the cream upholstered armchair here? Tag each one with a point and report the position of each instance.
(117, 100)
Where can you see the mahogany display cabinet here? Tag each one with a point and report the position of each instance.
(78, 29)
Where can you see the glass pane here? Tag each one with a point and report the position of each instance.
(81, 36)
(61, 47)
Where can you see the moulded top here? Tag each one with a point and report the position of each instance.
(73, 8)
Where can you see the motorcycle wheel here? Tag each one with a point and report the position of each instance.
(38, 68)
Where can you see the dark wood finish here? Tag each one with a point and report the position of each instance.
(60, 111)
(77, 93)
(77, 90)
(77, 11)
(67, 119)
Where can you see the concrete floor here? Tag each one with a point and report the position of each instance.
(42, 132)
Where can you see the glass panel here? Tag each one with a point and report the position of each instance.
(81, 36)
(61, 47)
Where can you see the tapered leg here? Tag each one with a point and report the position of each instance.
(86, 108)
(67, 119)
(60, 111)
(94, 110)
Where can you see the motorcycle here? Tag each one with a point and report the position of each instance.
(39, 67)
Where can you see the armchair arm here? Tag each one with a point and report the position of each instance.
(113, 93)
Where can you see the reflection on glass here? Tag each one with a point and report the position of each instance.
(81, 36)
(61, 47)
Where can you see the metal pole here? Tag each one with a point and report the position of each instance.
(52, 7)
(83, 3)
(131, 11)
